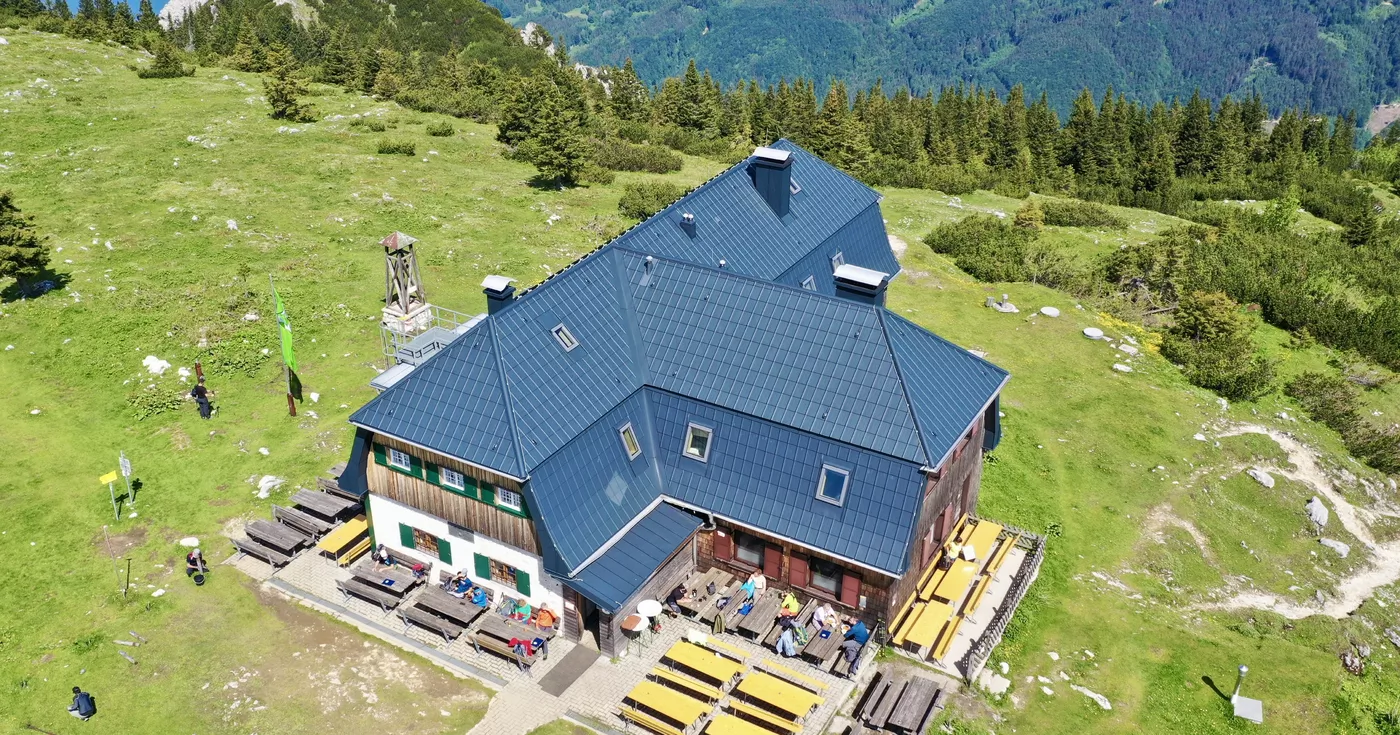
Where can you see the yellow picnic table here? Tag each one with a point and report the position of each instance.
(669, 702)
(709, 663)
(778, 694)
(724, 724)
(931, 620)
(956, 581)
(342, 540)
(983, 536)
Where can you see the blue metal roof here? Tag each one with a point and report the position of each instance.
(765, 476)
(862, 242)
(734, 224)
(616, 575)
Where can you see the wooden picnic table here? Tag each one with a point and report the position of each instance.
(669, 702)
(955, 583)
(726, 724)
(275, 535)
(390, 580)
(439, 602)
(322, 504)
(983, 536)
(762, 616)
(708, 663)
(932, 617)
(502, 629)
(778, 694)
(820, 649)
(912, 708)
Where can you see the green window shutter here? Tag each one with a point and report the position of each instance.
(379, 453)
(416, 466)
(432, 472)
(488, 494)
(406, 536)
(469, 487)
(522, 582)
(445, 550)
(483, 566)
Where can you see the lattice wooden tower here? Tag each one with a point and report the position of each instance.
(405, 303)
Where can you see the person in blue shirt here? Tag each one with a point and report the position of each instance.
(479, 597)
(82, 707)
(858, 632)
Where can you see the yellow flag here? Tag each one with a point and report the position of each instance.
(109, 477)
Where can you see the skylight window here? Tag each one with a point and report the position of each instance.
(697, 442)
(837, 260)
(629, 441)
(832, 486)
(809, 283)
(794, 187)
(564, 337)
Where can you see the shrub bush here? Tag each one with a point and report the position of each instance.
(619, 155)
(443, 129)
(1334, 401)
(1077, 213)
(1214, 343)
(401, 147)
(640, 201)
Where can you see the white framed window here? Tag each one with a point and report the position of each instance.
(629, 441)
(749, 549)
(452, 478)
(399, 459)
(825, 576)
(832, 485)
(697, 442)
(564, 337)
(509, 499)
(837, 260)
(809, 283)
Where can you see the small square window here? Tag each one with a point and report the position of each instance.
(508, 499)
(564, 337)
(399, 459)
(629, 441)
(809, 283)
(825, 576)
(452, 478)
(503, 573)
(425, 542)
(832, 486)
(750, 549)
(794, 187)
(697, 442)
(837, 261)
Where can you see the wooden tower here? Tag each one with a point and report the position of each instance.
(405, 304)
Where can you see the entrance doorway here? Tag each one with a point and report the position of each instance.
(589, 633)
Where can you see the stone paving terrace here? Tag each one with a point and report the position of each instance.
(594, 698)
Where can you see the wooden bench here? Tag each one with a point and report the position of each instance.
(503, 649)
(303, 522)
(251, 547)
(726, 650)
(764, 717)
(978, 590)
(424, 619)
(841, 667)
(803, 616)
(940, 649)
(783, 672)
(647, 721)
(868, 701)
(693, 687)
(356, 588)
(1002, 552)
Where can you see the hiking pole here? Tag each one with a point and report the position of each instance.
(115, 570)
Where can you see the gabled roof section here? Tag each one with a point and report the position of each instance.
(816, 363)
(622, 570)
(456, 403)
(734, 224)
(947, 386)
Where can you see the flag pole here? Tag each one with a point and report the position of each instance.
(286, 369)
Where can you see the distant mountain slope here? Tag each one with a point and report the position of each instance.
(1333, 55)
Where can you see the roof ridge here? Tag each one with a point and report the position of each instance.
(510, 403)
(904, 386)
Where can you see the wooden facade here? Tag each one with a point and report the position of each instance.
(467, 512)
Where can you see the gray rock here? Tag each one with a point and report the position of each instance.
(1342, 549)
(1262, 477)
(1317, 512)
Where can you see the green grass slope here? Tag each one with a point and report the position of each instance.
(1104, 461)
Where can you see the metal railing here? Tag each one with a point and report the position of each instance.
(980, 651)
(393, 340)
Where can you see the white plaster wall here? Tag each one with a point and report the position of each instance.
(387, 514)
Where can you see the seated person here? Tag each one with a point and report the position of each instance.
(787, 644)
(420, 570)
(520, 610)
(747, 590)
(760, 582)
(544, 618)
(381, 559)
(673, 600)
(790, 607)
(194, 563)
(824, 615)
(857, 632)
(82, 707)
(479, 596)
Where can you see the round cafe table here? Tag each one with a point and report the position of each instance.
(633, 627)
(649, 608)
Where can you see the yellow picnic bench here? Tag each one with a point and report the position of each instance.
(669, 703)
(941, 648)
(778, 694)
(709, 663)
(795, 677)
(725, 649)
(978, 590)
(765, 717)
(931, 620)
(1002, 552)
(649, 722)
(956, 581)
(726, 724)
(697, 689)
(984, 534)
(348, 542)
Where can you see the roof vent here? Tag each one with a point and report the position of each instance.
(499, 293)
(723, 262)
(688, 223)
(772, 177)
(861, 284)
(646, 271)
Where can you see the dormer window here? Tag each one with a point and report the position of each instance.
(629, 441)
(832, 485)
(809, 283)
(697, 442)
(837, 260)
(564, 337)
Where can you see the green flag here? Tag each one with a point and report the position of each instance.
(284, 325)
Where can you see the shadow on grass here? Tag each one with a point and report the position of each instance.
(47, 282)
(1211, 683)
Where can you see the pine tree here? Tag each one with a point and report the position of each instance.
(389, 77)
(61, 10)
(1341, 147)
(147, 20)
(248, 52)
(282, 87)
(1227, 148)
(23, 255)
(556, 145)
(831, 122)
(1011, 131)
(629, 98)
(1193, 139)
(695, 110)
(1042, 130)
(337, 62)
(1077, 138)
(1285, 148)
(166, 64)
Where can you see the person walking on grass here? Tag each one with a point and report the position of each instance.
(200, 394)
(83, 707)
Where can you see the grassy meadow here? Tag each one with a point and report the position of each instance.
(164, 170)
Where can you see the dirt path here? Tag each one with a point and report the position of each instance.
(899, 246)
(1351, 591)
(1162, 516)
